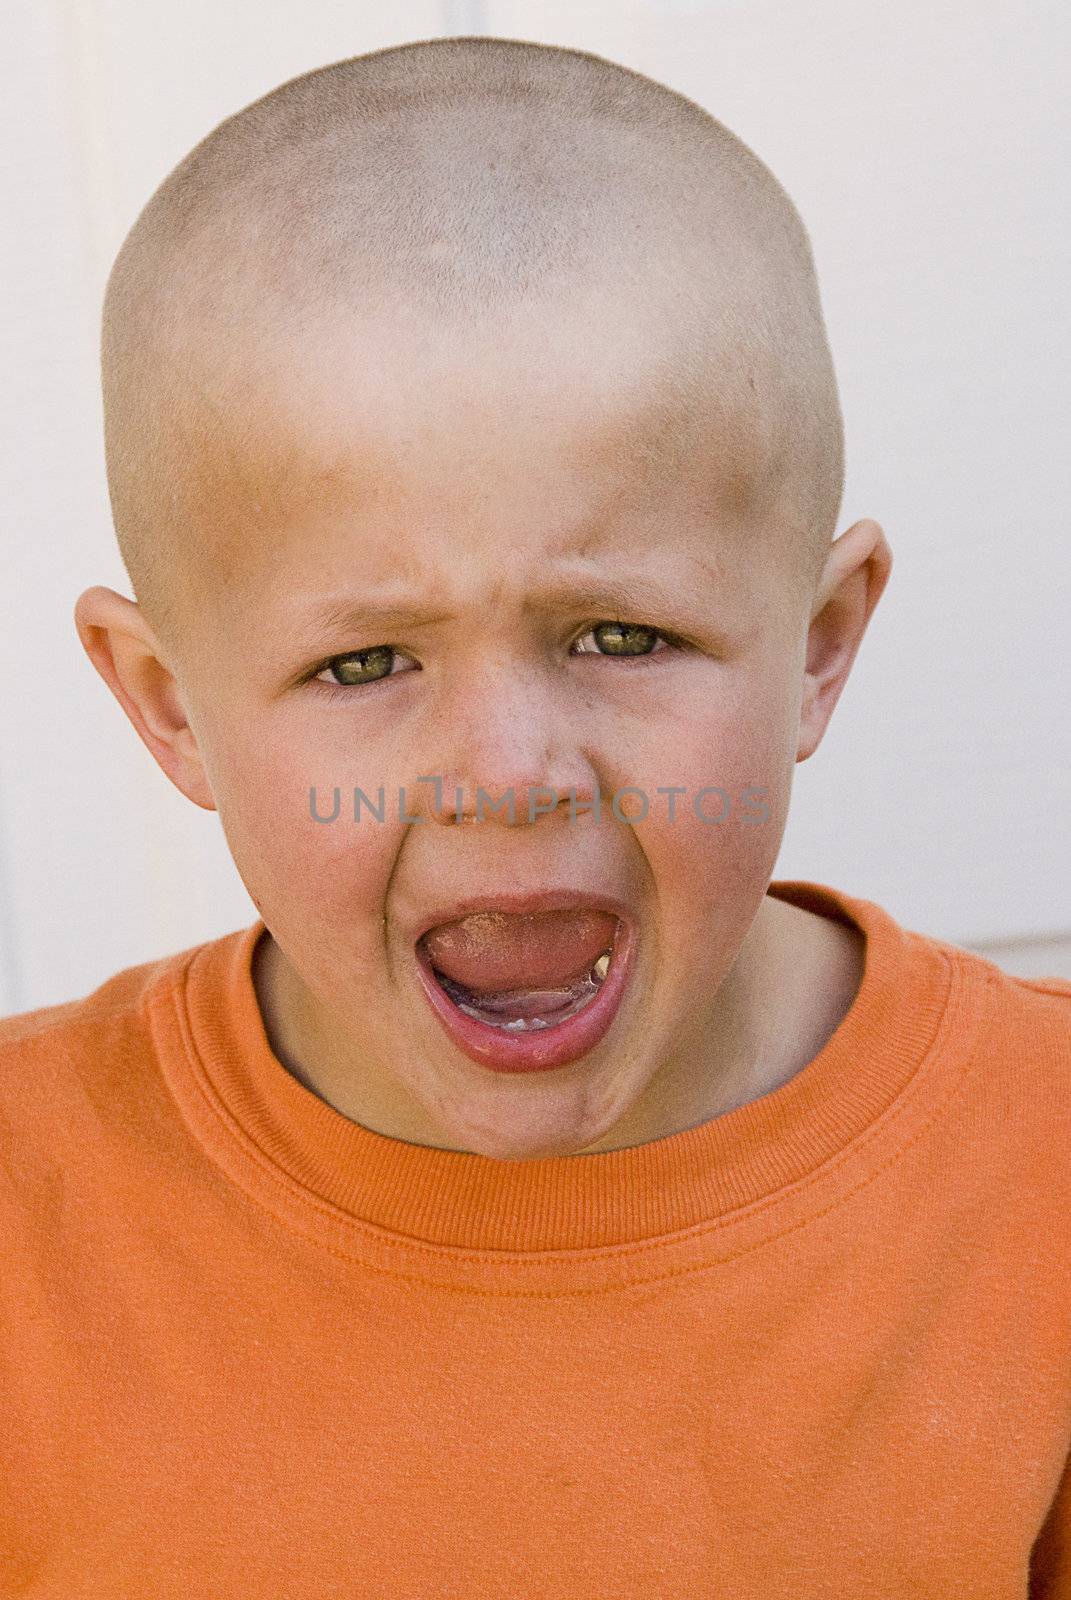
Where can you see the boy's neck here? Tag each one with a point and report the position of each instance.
(816, 967)
(794, 981)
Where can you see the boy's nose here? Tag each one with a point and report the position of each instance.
(511, 754)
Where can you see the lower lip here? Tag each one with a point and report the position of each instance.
(540, 1049)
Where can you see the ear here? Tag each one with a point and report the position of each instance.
(855, 574)
(124, 650)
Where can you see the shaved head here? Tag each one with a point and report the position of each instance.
(457, 184)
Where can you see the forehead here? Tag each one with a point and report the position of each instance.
(513, 434)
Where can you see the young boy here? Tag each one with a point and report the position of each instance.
(537, 1201)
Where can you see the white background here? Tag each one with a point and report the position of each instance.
(926, 148)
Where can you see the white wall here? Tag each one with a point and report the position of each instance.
(926, 148)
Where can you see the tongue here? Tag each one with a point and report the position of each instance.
(490, 951)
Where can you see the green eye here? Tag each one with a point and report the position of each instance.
(362, 666)
(624, 638)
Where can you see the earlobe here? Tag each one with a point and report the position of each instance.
(122, 647)
(851, 585)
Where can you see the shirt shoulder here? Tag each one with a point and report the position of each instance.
(122, 993)
(81, 1077)
(1037, 1008)
(116, 1007)
(1020, 1052)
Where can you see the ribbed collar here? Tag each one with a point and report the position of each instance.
(218, 1056)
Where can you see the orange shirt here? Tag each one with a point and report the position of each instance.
(819, 1346)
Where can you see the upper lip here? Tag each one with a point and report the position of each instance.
(519, 902)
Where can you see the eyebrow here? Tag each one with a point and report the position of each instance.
(633, 592)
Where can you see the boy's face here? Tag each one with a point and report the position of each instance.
(486, 491)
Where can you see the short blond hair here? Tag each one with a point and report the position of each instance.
(470, 175)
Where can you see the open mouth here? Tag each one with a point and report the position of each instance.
(521, 1010)
(525, 995)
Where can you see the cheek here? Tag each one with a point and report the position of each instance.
(714, 856)
(312, 880)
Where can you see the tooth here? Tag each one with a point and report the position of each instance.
(601, 967)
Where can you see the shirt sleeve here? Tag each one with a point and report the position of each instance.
(1050, 1558)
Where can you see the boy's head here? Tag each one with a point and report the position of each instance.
(458, 355)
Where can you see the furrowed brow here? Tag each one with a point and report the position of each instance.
(344, 615)
(621, 592)
(635, 594)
